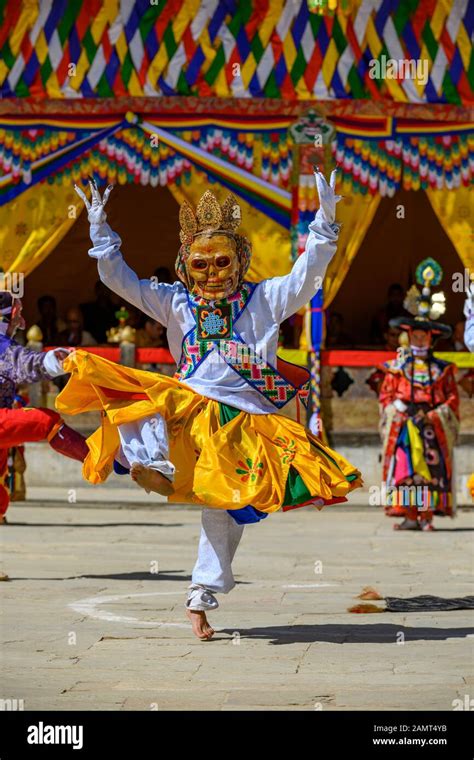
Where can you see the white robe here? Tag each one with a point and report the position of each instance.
(273, 301)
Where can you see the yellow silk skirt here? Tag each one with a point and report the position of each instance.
(250, 459)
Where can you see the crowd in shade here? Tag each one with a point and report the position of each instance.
(381, 334)
(87, 324)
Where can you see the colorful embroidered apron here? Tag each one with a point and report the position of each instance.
(215, 330)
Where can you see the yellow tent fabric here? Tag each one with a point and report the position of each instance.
(271, 248)
(34, 223)
(455, 211)
(355, 213)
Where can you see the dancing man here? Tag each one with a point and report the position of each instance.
(213, 435)
(20, 365)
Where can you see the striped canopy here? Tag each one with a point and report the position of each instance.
(237, 48)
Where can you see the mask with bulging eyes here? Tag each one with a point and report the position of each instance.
(213, 267)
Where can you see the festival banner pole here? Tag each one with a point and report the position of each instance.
(312, 148)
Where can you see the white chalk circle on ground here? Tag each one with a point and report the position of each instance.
(91, 606)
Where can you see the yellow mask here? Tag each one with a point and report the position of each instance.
(212, 267)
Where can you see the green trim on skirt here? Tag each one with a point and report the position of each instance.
(295, 489)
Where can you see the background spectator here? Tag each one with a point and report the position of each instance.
(336, 337)
(391, 336)
(74, 334)
(48, 321)
(151, 335)
(393, 308)
(99, 315)
(163, 274)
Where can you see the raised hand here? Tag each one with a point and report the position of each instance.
(95, 207)
(327, 195)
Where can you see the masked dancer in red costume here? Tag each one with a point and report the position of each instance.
(25, 425)
(419, 413)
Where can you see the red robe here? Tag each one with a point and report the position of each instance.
(438, 397)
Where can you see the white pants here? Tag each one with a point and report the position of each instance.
(220, 537)
(146, 441)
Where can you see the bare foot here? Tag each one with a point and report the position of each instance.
(3, 520)
(201, 627)
(407, 525)
(150, 480)
(427, 525)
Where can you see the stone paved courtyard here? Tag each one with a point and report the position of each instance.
(93, 613)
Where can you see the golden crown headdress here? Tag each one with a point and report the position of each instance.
(209, 218)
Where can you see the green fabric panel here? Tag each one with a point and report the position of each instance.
(104, 90)
(227, 413)
(338, 36)
(449, 90)
(429, 40)
(89, 45)
(299, 66)
(149, 18)
(46, 70)
(183, 87)
(295, 491)
(21, 89)
(65, 24)
(216, 66)
(7, 55)
(355, 83)
(170, 42)
(127, 68)
(257, 48)
(403, 13)
(271, 88)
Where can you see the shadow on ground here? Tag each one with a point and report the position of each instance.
(379, 633)
(94, 525)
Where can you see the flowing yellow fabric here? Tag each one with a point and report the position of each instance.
(271, 249)
(416, 450)
(34, 223)
(455, 212)
(470, 485)
(226, 466)
(355, 213)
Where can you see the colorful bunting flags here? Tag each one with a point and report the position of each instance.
(410, 51)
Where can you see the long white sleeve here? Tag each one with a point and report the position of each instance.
(150, 297)
(469, 333)
(291, 292)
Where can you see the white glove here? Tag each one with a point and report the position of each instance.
(469, 303)
(327, 196)
(53, 361)
(96, 206)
